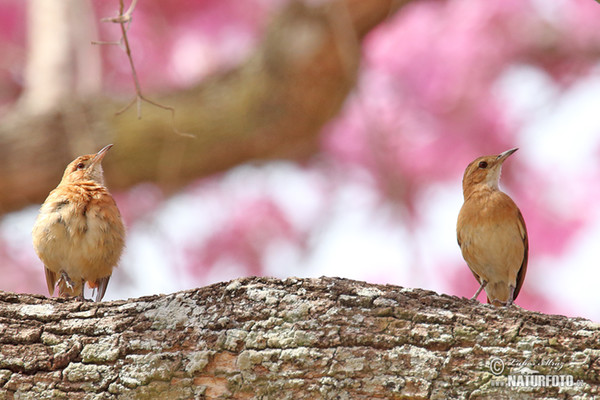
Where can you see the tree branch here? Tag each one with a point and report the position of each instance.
(298, 338)
(124, 19)
(271, 107)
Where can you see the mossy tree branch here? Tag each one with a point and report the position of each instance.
(291, 339)
(271, 107)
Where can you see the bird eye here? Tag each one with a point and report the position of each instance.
(80, 165)
(483, 165)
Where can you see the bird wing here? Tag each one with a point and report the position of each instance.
(459, 240)
(50, 280)
(523, 270)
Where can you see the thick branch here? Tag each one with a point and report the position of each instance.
(292, 339)
(273, 106)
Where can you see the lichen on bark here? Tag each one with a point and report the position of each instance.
(290, 339)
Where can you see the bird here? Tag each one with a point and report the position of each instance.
(79, 233)
(491, 232)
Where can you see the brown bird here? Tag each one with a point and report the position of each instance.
(79, 234)
(491, 232)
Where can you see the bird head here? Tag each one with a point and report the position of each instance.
(484, 171)
(86, 168)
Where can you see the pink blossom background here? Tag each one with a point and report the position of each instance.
(440, 84)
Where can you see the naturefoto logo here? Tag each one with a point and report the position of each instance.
(525, 376)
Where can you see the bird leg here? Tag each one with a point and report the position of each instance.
(511, 295)
(66, 279)
(80, 297)
(483, 283)
(69, 284)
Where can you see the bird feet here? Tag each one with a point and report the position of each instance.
(65, 278)
(70, 285)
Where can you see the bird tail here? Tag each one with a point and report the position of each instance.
(99, 287)
(496, 303)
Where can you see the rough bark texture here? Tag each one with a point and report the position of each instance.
(272, 106)
(265, 338)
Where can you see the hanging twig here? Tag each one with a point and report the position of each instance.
(124, 20)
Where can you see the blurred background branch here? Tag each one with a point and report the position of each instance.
(271, 106)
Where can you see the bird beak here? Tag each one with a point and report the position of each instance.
(100, 155)
(501, 156)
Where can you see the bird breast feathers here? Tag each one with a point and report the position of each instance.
(494, 232)
(68, 211)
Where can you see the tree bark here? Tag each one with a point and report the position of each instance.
(272, 106)
(265, 338)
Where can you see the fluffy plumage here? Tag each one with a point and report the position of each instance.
(79, 234)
